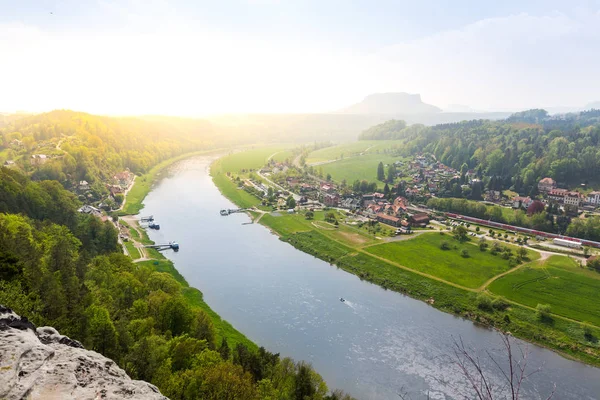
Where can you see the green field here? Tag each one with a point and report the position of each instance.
(558, 281)
(132, 250)
(284, 155)
(423, 253)
(346, 150)
(361, 168)
(246, 160)
(287, 224)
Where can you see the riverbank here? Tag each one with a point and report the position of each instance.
(565, 336)
(132, 203)
(158, 262)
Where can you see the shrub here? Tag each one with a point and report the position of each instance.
(445, 245)
(464, 253)
(484, 302)
(500, 304)
(543, 312)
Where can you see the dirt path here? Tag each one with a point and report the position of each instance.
(133, 223)
(125, 193)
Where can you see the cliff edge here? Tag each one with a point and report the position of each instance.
(39, 363)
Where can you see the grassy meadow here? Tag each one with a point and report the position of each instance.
(424, 254)
(352, 149)
(558, 281)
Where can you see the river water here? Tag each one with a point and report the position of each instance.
(376, 345)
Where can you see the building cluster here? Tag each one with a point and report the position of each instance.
(569, 198)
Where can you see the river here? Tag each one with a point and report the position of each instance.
(376, 345)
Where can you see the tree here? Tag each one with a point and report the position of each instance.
(391, 173)
(380, 172)
(386, 190)
(535, 207)
(290, 202)
(464, 253)
(481, 384)
(309, 215)
(543, 312)
(483, 245)
(103, 334)
(224, 349)
(328, 178)
(461, 233)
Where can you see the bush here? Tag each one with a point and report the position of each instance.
(464, 253)
(445, 245)
(484, 302)
(543, 312)
(500, 304)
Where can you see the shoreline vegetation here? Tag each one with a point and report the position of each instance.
(132, 206)
(351, 250)
(256, 365)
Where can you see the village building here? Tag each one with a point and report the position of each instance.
(521, 202)
(9, 163)
(388, 219)
(546, 185)
(124, 178)
(39, 159)
(557, 195)
(91, 210)
(572, 199)
(593, 198)
(419, 219)
(331, 199)
(351, 203)
(84, 185)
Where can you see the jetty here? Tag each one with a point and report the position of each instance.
(149, 218)
(229, 211)
(161, 247)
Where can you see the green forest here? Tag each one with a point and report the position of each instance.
(517, 151)
(63, 269)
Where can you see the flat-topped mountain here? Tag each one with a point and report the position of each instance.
(392, 103)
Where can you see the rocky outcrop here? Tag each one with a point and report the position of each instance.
(43, 364)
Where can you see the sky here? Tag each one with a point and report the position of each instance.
(192, 58)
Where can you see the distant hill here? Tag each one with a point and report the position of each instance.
(392, 103)
(595, 105)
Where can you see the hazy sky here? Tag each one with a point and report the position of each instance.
(186, 57)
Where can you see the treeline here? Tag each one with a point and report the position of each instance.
(141, 318)
(88, 147)
(519, 151)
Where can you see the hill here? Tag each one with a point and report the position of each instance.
(392, 103)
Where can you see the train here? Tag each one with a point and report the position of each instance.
(526, 231)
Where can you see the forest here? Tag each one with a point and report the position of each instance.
(517, 151)
(78, 146)
(66, 270)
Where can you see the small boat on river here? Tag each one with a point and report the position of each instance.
(342, 299)
(224, 212)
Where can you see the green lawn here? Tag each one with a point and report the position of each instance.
(361, 168)
(284, 155)
(246, 160)
(423, 253)
(569, 290)
(352, 149)
(133, 252)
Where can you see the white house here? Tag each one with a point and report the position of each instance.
(593, 198)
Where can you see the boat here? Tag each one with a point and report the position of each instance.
(153, 225)
(342, 299)
(149, 218)
(174, 245)
(224, 212)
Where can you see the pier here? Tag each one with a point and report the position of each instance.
(161, 247)
(226, 212)
(149, 218)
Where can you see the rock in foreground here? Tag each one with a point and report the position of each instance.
(42, 364)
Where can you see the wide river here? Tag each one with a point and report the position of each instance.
(376, 345)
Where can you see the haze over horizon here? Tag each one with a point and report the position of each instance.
(269, 56)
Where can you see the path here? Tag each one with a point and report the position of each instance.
(294, 195)
(125, 193)
(133, 223)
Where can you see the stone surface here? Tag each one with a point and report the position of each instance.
(41, 364)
